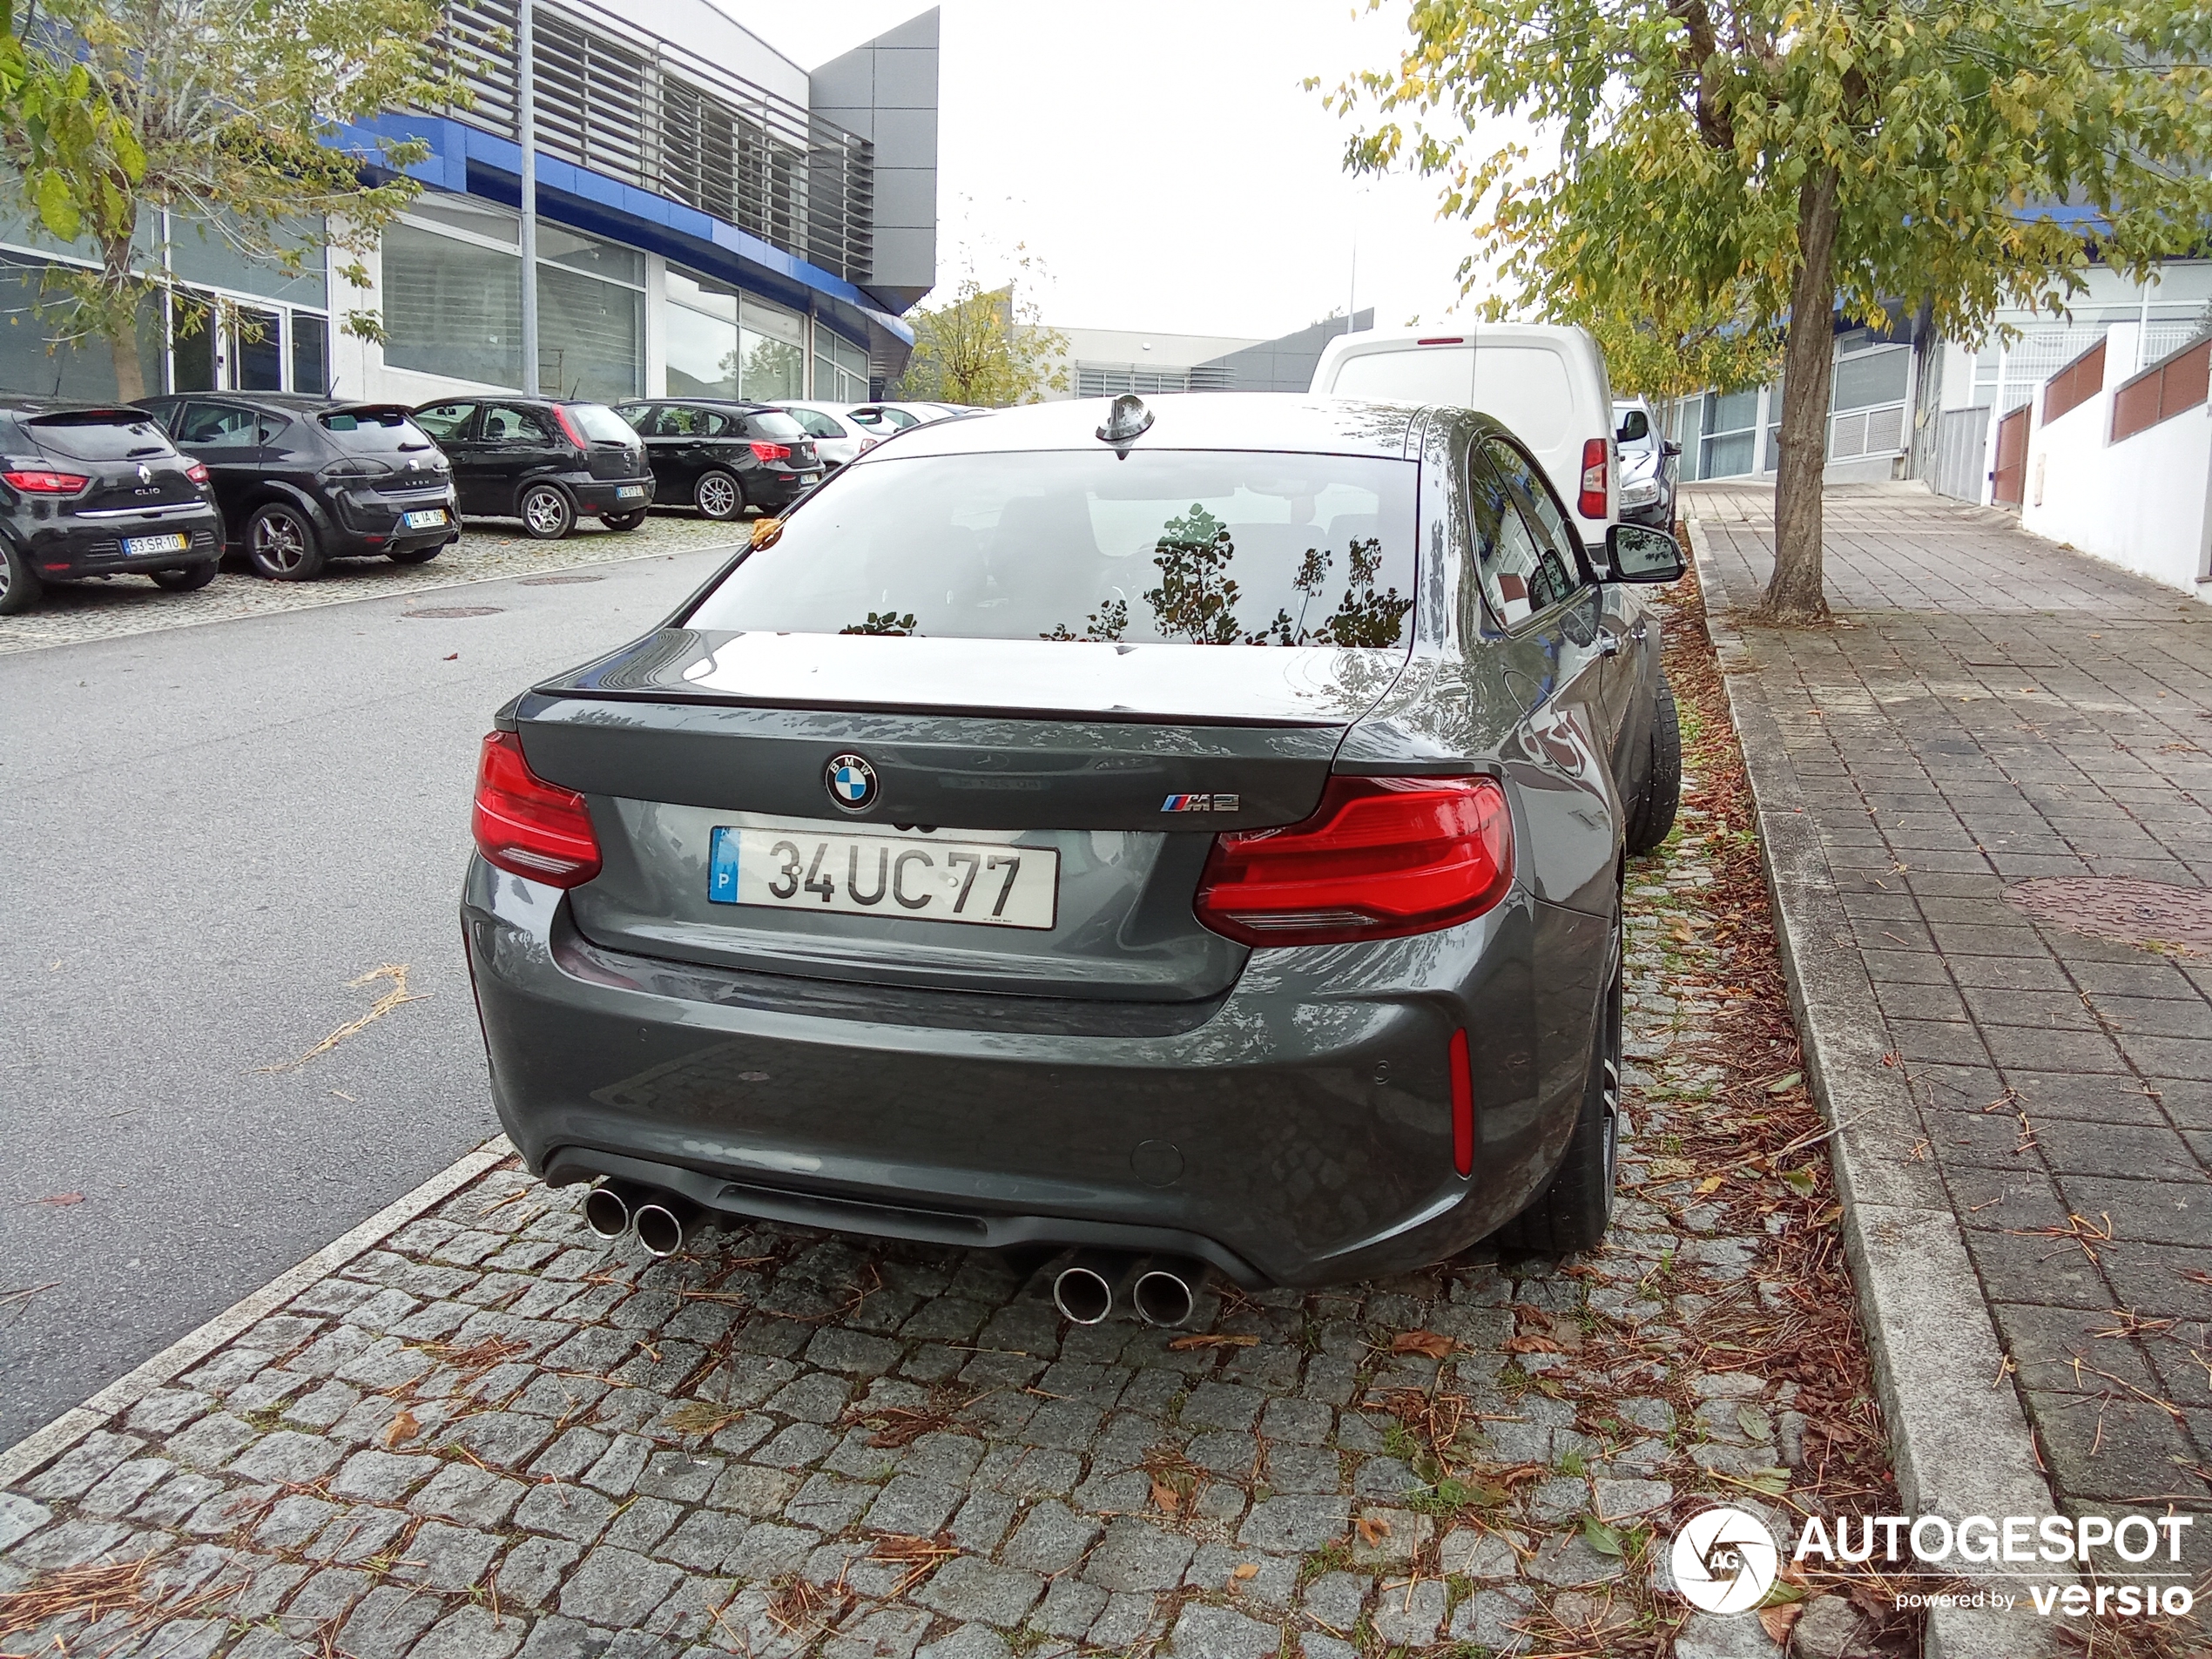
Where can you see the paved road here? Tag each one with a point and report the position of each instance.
(208, 831)
(2007, 735)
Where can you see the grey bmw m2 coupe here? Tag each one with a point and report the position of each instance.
(1188, 837)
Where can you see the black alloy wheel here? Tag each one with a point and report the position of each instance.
(623, 521)
(20, 587)
(1573, 1211)
(281, 544)
(1653, 816)
(548, 514)
(190, 579)
(718, 495)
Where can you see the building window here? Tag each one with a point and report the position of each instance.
(841, 368)
(771, 345)
(452, 307)
(702, 337)
(1729, 442)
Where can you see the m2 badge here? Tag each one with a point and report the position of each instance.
(1199, 804)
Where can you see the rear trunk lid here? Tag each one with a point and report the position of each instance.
(613, 449)
(125, 454)
(709, 759)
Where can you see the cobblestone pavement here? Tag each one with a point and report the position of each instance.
(1992, 712)
(133, 605)
(490, 1433)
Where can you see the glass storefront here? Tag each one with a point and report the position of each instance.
(722, 343)
(841, 368)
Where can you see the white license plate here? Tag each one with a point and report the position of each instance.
(629, 492)
(138, 546)
(426, 518)
(985, 883)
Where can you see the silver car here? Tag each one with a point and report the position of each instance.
(1183, 840)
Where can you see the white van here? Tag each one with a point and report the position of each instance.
(1547, 384)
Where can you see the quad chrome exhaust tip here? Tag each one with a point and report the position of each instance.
(1084, 1290)
(609, 1207)
(1164, 1291)
(664, 1222)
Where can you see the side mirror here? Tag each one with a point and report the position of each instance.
(1638, 553)
(1668, 447)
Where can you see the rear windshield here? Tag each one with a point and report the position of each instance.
(773, 423)
(97, 436)
(357, 431)
(601, 424)
(1193, 547)
(816, 424)
(1632, 429)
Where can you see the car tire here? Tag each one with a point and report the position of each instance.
(190, 579)
(718, 496)
(281, 544)
(416, 555)
(623, 521)
(20, 588)
(1575, 1207)
(548, 514)
(1655, 810)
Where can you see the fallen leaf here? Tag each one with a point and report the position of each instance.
(1784, 1085)
(1427, 1343)
(1799, 1180)
(1373, 1529)
(453, 657)
(1754, 1423)
(400, 1428)
(1165, 1498)
(1601, 1537)
(1709, 1185)
(1248, 1569)
(63, 1200)
(699, 1417)
(1185, 1343)
(1776, 1621)
(1531, 1345)
(1773, 1482)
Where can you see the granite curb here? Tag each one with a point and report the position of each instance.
(1931, 1334)
(42, 1446)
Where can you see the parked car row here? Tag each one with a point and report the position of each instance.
(166, 487)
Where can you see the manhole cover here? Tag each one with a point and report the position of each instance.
(556, 581)
(2137, 912)
(439, 613)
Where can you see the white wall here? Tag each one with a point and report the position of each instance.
(2145, 502)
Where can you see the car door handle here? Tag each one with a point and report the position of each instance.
(1608, 643)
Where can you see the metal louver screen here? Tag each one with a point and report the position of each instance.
(630, 106)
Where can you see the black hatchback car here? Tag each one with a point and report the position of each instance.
(724, 457)
(545, 461)
(92, 491)
(303, 479)
(1195, 835)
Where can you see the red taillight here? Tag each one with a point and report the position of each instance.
(37, 481)
(1597, 456)
(770, 451)
(197, 472)
(568, 427)
(1380, 858)
(526, 826)
(1462, 1105)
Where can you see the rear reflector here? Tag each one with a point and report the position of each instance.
(526, 826)
(1462, 1106)
(37, 481)
(1380, 858)
(1597, 455)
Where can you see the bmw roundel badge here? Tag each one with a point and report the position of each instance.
(852, 782)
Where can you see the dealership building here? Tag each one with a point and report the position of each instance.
(713, 219)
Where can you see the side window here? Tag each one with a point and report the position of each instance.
(219, 426)
(447, 422)
(640, 418)
(817, 424)
(1522, 571)
(503, 423)
(711, 424)
(1544, 515)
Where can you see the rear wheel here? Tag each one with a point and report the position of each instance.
(718, 495)
(281, 544)
(416, 555)
(1654, 810)
(1572, 1212)
(20, 587)
(191, 579)
(623, 521)
(548, 515)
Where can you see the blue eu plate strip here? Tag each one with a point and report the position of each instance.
(722, 868)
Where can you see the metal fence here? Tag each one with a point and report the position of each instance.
(633, 106)
(1962, 446)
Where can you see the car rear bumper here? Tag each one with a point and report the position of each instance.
(767, 488)
(64, 550)
(1295, 1130)
(603, 495)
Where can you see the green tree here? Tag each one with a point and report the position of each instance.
(1767, 159)
(227, 114)
(987, 347)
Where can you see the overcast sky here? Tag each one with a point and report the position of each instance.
(1160, 158)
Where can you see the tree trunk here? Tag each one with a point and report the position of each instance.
(122, 340)
(1808, 373)
(129, 374)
